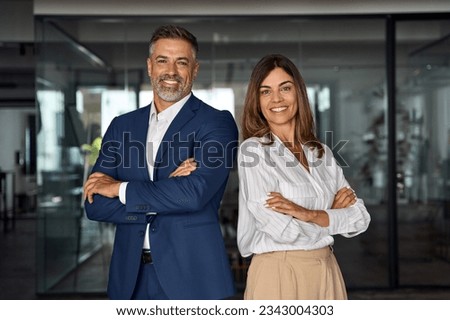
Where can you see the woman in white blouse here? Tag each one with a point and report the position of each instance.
(293, 197)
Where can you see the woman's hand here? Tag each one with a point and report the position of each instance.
(280, 204)
(344, 198)
(185, 168)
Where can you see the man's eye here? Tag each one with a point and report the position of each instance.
(161, 61)
(183, 63)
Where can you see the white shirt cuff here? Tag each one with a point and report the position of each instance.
(123, 192)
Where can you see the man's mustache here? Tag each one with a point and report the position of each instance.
(171, 78)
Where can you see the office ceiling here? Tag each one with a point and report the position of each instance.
(99, 47)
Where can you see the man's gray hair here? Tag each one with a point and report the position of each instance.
(173, 32)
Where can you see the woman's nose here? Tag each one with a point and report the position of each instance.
(276, 96)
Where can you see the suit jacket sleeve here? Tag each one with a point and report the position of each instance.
(103, 208)
(215, 156)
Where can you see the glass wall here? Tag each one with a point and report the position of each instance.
(423, 152)
(91, 69)
(68, 125)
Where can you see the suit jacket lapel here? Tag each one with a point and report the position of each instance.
(142, 125)
(186, 113)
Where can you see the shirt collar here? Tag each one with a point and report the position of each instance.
(309, 151)
(171, 112)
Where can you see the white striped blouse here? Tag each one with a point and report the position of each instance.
(273, 168)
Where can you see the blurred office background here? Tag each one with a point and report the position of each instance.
(378, 77)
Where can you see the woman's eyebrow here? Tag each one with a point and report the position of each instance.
(281, 84)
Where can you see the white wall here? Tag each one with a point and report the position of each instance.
(441, 121)
(13, 123)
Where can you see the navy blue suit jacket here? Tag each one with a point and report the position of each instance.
(186, 241)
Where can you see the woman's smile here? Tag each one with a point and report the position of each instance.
(278, 109)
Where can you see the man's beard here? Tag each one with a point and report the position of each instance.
(170, 94)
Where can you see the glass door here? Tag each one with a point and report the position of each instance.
(72, 120)
(423, 152)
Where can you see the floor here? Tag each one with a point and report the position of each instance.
(18, 273)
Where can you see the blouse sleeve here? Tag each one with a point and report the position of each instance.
(350, 221)
(257, 177)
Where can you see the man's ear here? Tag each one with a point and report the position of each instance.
(196, 67)
(149, 66)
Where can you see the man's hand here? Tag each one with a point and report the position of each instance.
(344, 198)
(100, 183)
(185, 168)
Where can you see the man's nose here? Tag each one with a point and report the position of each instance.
(172, 68)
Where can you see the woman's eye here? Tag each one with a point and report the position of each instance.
(265, 92)
(285, 89)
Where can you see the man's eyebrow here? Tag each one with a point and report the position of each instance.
(166, 57)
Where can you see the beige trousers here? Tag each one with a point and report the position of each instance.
(295, 275)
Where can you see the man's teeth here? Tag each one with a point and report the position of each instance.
(171, 81)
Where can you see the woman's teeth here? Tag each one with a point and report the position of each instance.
(279, 109)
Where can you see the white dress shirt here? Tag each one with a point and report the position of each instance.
(157, 128)
(273, 168)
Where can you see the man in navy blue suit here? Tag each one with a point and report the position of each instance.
(160, 178)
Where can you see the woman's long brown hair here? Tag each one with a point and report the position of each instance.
(253, 122)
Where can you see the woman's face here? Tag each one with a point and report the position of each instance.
(278, 98)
